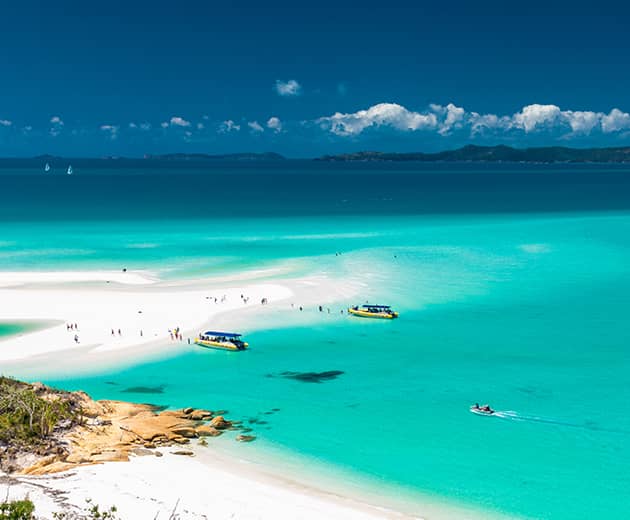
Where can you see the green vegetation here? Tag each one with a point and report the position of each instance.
(17, 510)
(501, 153)
(90, 512)
(25, 416)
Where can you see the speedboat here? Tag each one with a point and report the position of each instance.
(221, 340)
(373, 311)
(482, 410)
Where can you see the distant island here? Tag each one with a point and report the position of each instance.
(501, 153)
(469, 153)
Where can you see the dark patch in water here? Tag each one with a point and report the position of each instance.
(145, 389)
(253, 420)
(275, 409)
(110, 383)
(268, 413)
(312, 377)
(157, 407)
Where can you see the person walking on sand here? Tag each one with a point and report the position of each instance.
(119, 332)
(76, 338)
(113, 333)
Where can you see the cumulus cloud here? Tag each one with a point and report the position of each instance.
(533, 116)
(615, 121)
(228, 126)
(200, 126)
(164, 124)
(112, 130)
(288, 88)
(444, 120)
(179, 121)
(5, 122)
(56, 126)
(383, 114)
(255, 127)
(274, 124)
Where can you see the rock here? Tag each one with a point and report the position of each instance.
(200, 415)
(183, 452)
(149, 445)
(187, 410)
(181, 440)
(159, 454)
(185, 431)
(221, 412)
(245, 438)
(205, 430)
(39, 387)
(220, 423)
(141, 452)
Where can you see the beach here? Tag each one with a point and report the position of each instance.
(101, 303)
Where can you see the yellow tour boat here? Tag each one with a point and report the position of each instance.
(373, 311)
(221, 340)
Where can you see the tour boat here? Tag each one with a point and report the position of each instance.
(221, 340)
(373, 311)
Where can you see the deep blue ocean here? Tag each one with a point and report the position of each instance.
(512, 282)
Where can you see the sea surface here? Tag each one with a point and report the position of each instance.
(512, 284)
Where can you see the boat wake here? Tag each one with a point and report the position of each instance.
(515, 416)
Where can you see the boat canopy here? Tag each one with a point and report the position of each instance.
(368, 306)
(222, 334)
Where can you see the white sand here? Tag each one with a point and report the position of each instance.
(143, 314)
(148, 486)
(101, 301)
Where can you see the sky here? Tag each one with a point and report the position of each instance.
(310, 78)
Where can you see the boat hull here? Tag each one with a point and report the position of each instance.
(375, 315)
(228, 345)
(481, 412)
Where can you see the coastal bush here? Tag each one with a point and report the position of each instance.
(90, 512)
(25, 416)
(17, 510)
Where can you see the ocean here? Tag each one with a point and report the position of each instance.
(512, 285)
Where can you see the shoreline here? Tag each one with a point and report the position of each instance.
(54, 299)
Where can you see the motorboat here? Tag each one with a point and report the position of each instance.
(373, 311)
(221, 340)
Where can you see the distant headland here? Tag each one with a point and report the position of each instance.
(501, 153)
(469, 153)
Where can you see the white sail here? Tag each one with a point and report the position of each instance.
(69, 171)
(47, 167)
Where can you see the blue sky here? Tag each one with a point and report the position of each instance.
(135, 77)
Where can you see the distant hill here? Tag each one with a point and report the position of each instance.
(472, 153)
(247, 156)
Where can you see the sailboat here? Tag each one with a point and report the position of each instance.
(69, 170)
(47, 167)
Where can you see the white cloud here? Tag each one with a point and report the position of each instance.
(615, 121)
(288, 88)
(255, 127)
(145, 126)
(453, 117)
(164, 124)
(229, 126)
(200, 126)
(112, 130)
(275, 124)
(582, 122)
(133, 125)
(179, 121)
(445, 120)
(383, 114)
(56, 120)
(5, 122)
(535, 115)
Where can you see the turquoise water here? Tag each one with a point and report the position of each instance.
(524, 309)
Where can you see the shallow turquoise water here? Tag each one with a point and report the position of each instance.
(524, 310)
